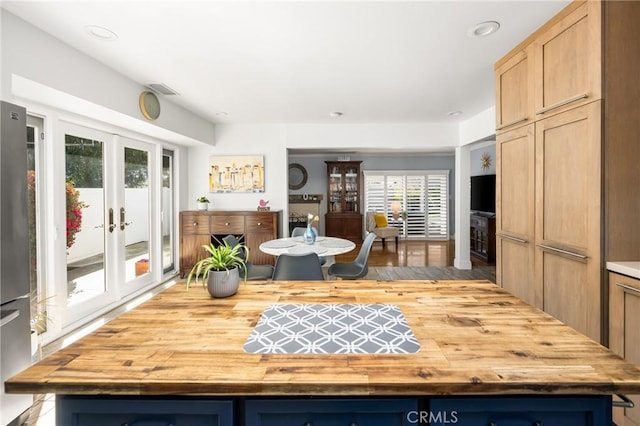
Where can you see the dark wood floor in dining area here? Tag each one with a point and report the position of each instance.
(419, 260)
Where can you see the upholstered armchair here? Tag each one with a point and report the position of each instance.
(377, 223)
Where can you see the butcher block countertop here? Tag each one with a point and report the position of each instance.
(475, 339)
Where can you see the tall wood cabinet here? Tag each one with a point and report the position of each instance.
(198, 228)
(515, 218)
(344, 213)
(563, 155)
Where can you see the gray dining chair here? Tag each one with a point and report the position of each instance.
(298, 231)
(254, 272)
(298, 267)
(359, 267)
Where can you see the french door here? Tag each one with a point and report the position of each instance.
(108, 186)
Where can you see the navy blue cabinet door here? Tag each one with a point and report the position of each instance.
(523, 411)
(101, 411)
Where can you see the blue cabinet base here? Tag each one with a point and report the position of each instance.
(522, 410)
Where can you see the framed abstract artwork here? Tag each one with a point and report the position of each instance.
(236, 173)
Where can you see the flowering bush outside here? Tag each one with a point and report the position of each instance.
(74, 213)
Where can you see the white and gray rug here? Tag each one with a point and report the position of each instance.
(332, 329)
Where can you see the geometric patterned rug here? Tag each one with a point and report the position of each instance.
(332, 329)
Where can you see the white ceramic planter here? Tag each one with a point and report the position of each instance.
(203, 206)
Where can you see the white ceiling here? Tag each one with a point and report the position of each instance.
(296, 61)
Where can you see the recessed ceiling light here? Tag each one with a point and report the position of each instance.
(483, 29)
(221, 114)
(336, 114)
(101, 33)
(455, 113)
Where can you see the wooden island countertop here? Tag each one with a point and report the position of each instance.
(476, 339)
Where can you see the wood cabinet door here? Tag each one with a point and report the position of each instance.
(260, 227)
(568, 64)
(514, 90)
(191, 251)
(515, 218)
(568, 217)
(624, 333)
(194, 233)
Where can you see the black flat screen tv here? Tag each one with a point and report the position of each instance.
(483, 193)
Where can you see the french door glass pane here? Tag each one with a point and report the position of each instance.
(135, 217)
(84, 218)
(167, 209)
(37, 291)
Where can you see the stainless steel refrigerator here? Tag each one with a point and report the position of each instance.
(15, 340)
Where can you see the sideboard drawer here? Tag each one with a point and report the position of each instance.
(230, 224)
(195, 224)
(260, 223)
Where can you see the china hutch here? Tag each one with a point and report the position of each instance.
(344, 217)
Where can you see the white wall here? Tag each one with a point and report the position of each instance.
(395, 136)
(481, 126)
(38, 67)
(266, 140)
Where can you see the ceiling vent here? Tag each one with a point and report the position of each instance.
(162, 88)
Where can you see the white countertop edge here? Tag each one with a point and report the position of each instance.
(630, 268)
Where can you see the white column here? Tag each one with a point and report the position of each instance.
(462, 258)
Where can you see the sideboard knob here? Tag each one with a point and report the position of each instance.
(259, 223)
(195, 223)
(226, 224)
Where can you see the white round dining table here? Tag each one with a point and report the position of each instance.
(324, 246)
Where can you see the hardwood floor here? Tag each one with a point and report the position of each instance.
(415, 260)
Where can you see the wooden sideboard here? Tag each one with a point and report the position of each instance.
(198, 228)
(483, 237)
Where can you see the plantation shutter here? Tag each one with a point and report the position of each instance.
(423, 195)
(375, 189)
(437, 195)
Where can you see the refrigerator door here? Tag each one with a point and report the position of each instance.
(14, 225)
(15, 356)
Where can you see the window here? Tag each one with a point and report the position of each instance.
(423, 196)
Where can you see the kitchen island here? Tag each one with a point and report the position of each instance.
(484, 354)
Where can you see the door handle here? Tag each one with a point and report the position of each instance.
(112, 225)
(122, 222)
(557, 250)
(509, 237)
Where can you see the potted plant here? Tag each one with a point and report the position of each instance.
(221, 269)
(203, 203)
